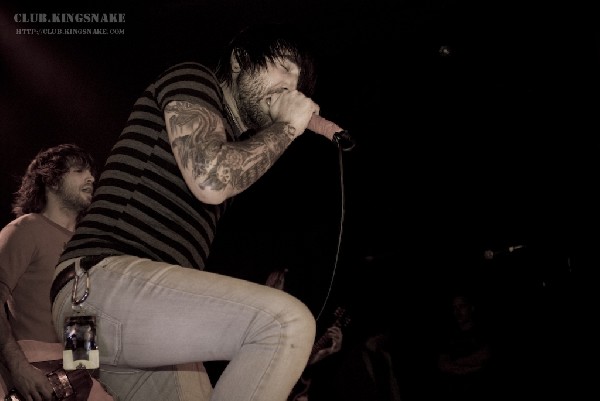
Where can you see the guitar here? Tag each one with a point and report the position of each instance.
(300, 390)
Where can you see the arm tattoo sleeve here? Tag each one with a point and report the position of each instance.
(199, 141)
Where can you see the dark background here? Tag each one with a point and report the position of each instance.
(475, 127)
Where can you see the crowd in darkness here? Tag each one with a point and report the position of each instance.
(510, 331)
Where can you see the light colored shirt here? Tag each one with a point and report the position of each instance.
(30, 247)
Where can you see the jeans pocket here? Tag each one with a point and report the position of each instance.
(109, 338)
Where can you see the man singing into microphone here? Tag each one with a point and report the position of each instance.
(145, 241)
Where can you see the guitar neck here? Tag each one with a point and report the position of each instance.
(324, 340)
(320, 344)
(301, 387)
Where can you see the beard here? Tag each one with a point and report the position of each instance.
(249, 94)
(72, 198)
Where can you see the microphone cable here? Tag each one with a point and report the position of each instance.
(345, 143)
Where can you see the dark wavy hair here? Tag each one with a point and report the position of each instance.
(47, 169)
(259, 44)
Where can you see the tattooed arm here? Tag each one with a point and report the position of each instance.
(213, 168)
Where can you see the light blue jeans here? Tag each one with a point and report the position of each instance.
(152, 314)
(188, 382)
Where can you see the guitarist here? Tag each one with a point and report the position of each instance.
(54, 192)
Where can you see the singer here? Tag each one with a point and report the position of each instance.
(146, 238)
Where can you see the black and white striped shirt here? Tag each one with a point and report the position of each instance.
(141, 205)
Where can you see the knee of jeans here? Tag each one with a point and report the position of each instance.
(307, 325)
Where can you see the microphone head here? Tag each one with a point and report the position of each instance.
(344, 140)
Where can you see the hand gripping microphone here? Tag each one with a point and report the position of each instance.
(332, 131)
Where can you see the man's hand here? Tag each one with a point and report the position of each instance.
(292, 107)
(335, 334)
(30, 382)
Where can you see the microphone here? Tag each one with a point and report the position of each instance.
(489, 254)
(332, 131)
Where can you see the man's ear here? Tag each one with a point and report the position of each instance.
(235, 65)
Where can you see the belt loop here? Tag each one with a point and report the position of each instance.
(79, 272)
